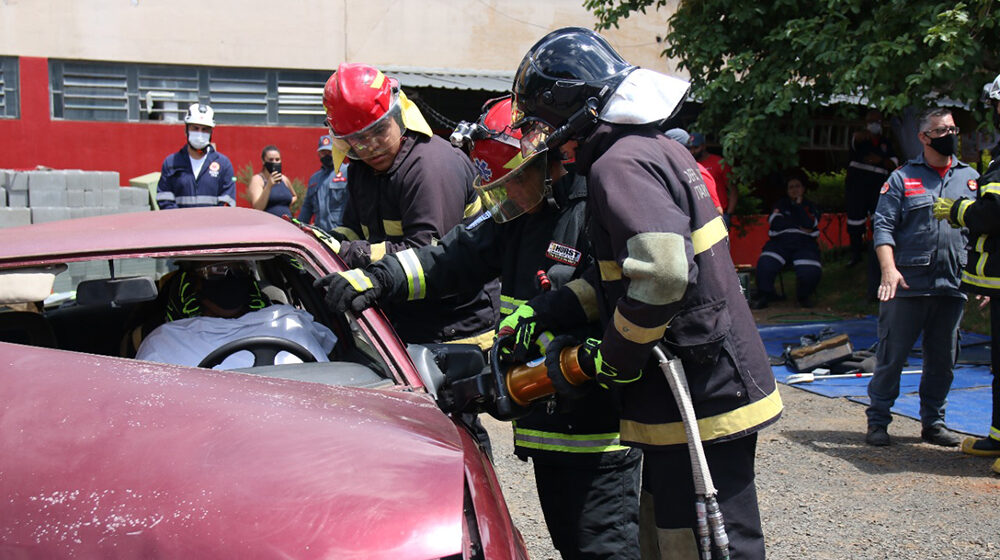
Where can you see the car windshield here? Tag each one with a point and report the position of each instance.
(180, 309)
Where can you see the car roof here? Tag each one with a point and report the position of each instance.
(190, 228)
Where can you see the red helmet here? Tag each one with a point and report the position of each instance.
(508, 184)
(356, 96)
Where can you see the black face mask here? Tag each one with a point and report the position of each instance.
(945, 145)
(326, 161)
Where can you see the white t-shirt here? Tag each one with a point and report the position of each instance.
(186, 342)
(196, 164)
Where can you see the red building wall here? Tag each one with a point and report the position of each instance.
(132, 148)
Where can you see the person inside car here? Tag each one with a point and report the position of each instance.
(213, 304)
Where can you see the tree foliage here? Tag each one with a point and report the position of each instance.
(761, 69)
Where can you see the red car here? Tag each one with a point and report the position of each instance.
(103, 455)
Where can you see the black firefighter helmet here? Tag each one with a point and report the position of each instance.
(566, 72)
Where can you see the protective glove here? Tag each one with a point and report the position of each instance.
(942, 209)
(522, 328)
(564, 389)
(593, 364)
(351, 290)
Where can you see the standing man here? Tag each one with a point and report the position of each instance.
(588, 483)
(872, 160)
(727, 192)
(197, 175)
(663, 276)
(921, 260)
(326, 194)
(407, 188)
(982, 271)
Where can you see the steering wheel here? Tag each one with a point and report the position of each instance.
(264, 349)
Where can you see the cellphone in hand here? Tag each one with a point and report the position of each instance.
(272, 166)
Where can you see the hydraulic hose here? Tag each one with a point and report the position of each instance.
(711, 526)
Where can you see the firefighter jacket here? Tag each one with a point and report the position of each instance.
(930, 254)
(982, 216)
(215, 184)
(664, 274)
(789, 220)
(426, 192)
(550, 241)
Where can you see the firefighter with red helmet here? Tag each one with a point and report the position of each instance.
(663, 278)
(407, 188)
(587, 482)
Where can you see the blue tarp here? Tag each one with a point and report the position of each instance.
(969, 402)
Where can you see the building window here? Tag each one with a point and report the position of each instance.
(139, 92)
(9, 104)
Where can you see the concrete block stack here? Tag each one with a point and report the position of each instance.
(33, 197)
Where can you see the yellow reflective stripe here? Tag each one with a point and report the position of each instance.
(358, 280)
(379, 78)
(610, 270)
(508, 304)
(377, 252)
(473, 208)
(981, 244)
(544, 340)
(708, 235)
(587, 297)
(635, 333)
(995, 432)
(365, 232)
(393, 227)
(347, 232)
(712, 427)
(982, 281)
(415, 284)
(963, 205)
(989, 188)
(325, 238)
(484, 340)
(568, 443)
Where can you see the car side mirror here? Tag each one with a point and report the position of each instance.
(116, 291)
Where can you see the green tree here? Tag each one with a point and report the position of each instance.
(760, 69)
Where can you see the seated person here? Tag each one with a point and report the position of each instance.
(794, 230)
(220, 302)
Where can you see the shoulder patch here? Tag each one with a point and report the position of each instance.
(563, 253)
(973, 185)
(884, 189)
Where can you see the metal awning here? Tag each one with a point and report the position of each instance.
(447, 78)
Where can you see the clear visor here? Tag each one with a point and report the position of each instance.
(375, 139)
(516, 192)
(534, 133)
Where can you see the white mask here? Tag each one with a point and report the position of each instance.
(198, 140)
(875, 128)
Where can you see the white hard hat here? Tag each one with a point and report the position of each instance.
(991, 91)
(201, 114)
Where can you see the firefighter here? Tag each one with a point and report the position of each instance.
(982, 271)
(197, 175)
(663, 275)
(587, 482)
(407, 188)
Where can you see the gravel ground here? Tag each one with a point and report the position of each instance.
(824, 494)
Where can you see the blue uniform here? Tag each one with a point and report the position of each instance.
(930, 255)
(179, 188)
(793, 230)
(326, 198)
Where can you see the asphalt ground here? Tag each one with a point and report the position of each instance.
(824, 494)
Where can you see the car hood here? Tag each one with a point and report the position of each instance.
(110, 457)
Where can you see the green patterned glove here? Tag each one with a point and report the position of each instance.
(593, 364)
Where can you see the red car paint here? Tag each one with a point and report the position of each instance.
(111, 457)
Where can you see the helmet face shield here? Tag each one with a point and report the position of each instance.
(534, 133)
(378, 138)
(517, 192)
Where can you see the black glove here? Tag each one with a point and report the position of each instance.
(564, 389)
(351, 290)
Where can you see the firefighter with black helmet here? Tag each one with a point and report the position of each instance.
(982, 271)
(587, 482)
(663, 276)
(407, 188)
